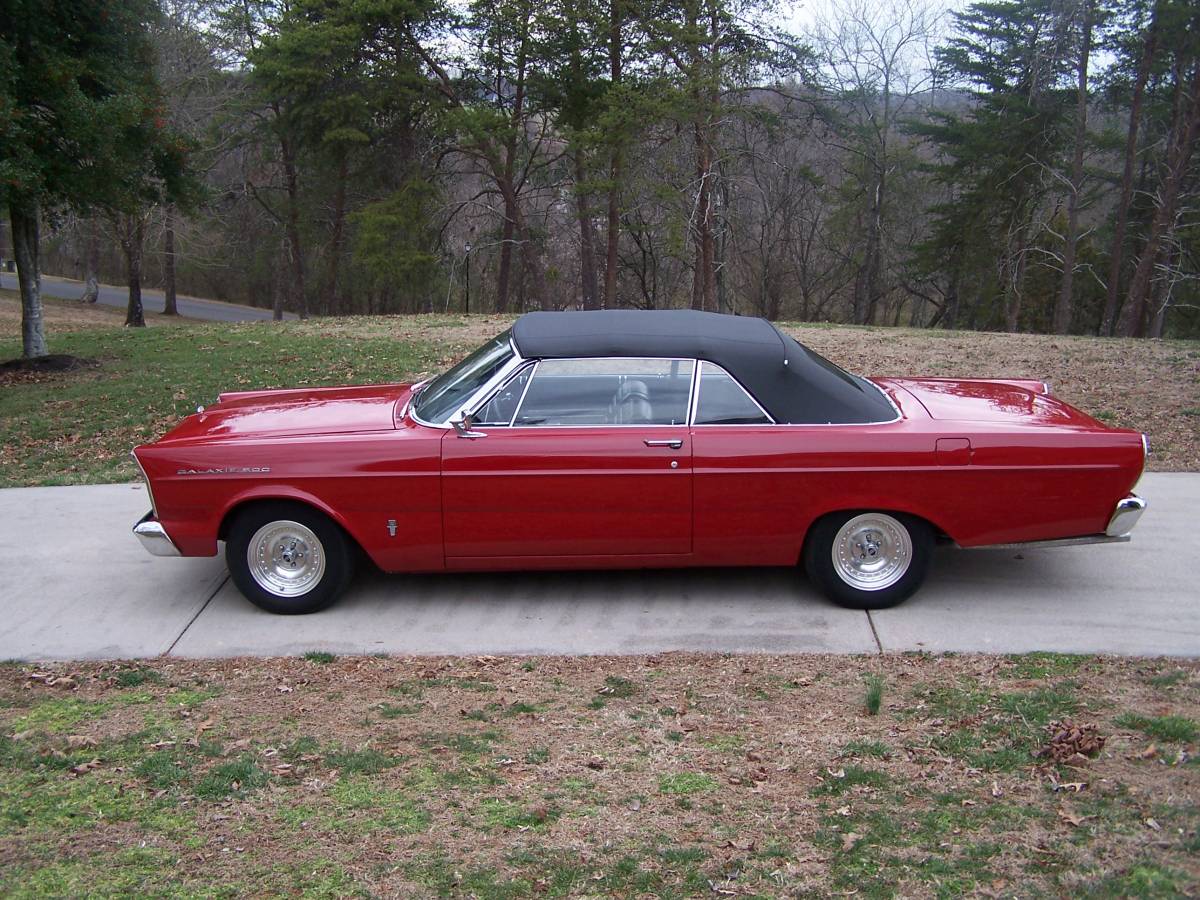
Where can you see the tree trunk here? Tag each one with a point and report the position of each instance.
(277, 283)
(91, 263)
(504, 276)
(336, 240)
(1162, 299)
(1117, 251)
(703, 280)
(1179, 153)
(865, 285)
(170, 307)
(295, 250)
(1012, 317)
(25, 220)
(1062, 309)
(587, 238)
(615, 63)
(131, 243)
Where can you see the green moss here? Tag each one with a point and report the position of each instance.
(686, 783)
(848, 777)
(60, 714)
(365, 761)
(236, 778)
(1179, 729)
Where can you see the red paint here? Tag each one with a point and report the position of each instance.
(984, 461)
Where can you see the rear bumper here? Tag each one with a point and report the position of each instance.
(1125, 516)
(154, 537)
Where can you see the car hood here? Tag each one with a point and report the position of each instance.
(980, 400)
(308, 411)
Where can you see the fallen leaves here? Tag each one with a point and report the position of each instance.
(84, 768)
(1070, 743)
(1072, 818)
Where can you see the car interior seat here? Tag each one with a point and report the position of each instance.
(631, 404)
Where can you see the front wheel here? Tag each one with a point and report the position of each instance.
(287, 558)
(868, 560)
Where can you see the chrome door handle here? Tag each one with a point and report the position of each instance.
(674, 443)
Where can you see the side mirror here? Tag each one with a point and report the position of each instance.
(462, 427)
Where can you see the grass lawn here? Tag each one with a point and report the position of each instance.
(663, 776)
(78, 427)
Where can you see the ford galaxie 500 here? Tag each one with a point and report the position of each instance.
(629, 439)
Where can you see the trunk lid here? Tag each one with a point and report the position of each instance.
(993, 400)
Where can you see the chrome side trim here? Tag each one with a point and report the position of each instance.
(1058, 542)
(154, 537)
(149, 490)
(1125, 516)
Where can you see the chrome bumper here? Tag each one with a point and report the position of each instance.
(154, 537)
(1125, 516)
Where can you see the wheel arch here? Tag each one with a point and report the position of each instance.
(940, 533)
(282, 494)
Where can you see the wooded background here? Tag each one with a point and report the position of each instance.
(1023, 165)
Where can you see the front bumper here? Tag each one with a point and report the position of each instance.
(1125, 516)
(154, 537)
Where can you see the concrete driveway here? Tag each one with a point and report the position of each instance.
(78, 585)
(152, 300)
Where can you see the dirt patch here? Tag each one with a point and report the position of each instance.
(667, 775)
(41, 368)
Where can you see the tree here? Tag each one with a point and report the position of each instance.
(1086, 15)
(1179, 54)
(876, 64)
(76, 91)
(997, 158)
(709, 52)
(1143, 47)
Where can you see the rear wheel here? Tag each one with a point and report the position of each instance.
(869, 560)
(288, 558)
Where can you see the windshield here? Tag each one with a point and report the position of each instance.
(446, 393)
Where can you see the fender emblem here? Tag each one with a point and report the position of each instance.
(226, 470)
(391, 526)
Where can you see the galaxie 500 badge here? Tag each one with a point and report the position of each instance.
(225, 470)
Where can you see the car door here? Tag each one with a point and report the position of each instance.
(574, 459)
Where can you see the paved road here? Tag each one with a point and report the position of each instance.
(78, 585)
(152, 301)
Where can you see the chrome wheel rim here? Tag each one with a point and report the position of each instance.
(872, 552)
(286, 558)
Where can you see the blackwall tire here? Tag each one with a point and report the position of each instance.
(288, 558)
(865, 559)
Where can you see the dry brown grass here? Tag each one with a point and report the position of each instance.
(71, 315)
(671, 775)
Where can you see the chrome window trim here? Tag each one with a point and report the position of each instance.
(525, 390)
(696, 404)
(528, 364)
(500, 377)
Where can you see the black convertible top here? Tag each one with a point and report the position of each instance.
(794, 384)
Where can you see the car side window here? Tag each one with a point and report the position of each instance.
(502, 405)
(723, 401)
(567, 392)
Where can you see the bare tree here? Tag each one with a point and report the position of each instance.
(876, 65)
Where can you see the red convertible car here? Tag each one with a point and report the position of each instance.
(626, 439)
